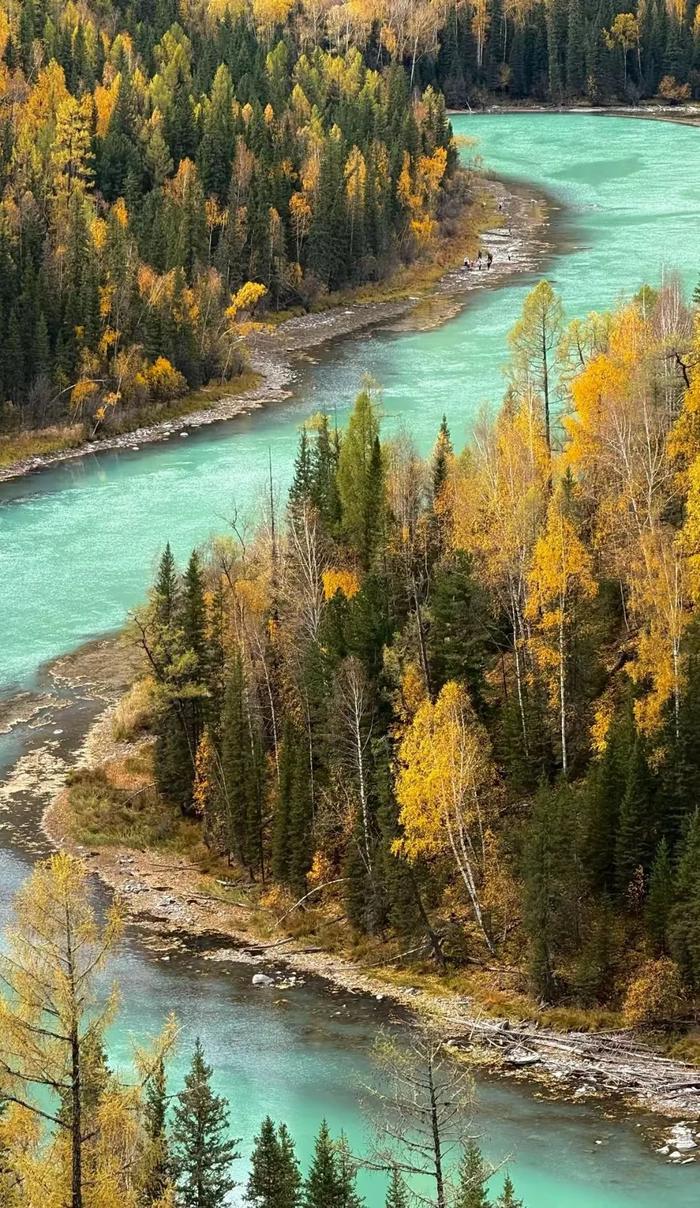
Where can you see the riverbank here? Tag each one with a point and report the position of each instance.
(683, 114)
(507, 221)
(181, 901)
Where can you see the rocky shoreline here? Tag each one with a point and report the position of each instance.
(518, 244)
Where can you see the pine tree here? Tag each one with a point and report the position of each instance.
(458, 633)
(330, 1182)
(552, 885)
(635, 834)
(604, 791)
(201, 1150)
(441, 457)
(301, 488)
(684, 919)
(507, 1198)
(217, 144)
(473, 1177)
(158, 1156)
(240, 770)
(193, 610)
(165, 588)
(397, 1192)
(324, 470)
(274, 1180)
(660, 897)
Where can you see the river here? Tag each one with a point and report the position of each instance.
(78, 545)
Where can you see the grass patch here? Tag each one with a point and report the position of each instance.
(117, 804)
(21, 446)
(179, 408)
(133, 714)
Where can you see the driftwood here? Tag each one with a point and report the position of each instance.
(616, 1061)
(310, 894)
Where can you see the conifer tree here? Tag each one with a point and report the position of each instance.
(635, 835)
(684, 919)
(330, 1182)
(473, 1177)
(324, 470)
(397, 1193)
(441, 455)
(274, 1180)
(240, 770)
(507, 1198)
(361, 479)
(301, 488)
(158, 1156)
(202, 1151)
(660, 897)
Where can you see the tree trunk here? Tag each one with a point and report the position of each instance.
(437, 1147)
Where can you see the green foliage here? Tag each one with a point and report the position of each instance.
(330, 1182)
(360, 479)
(202, 1151)
(274, 1180)
(473, 1177)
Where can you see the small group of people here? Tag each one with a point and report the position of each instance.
(483, 260)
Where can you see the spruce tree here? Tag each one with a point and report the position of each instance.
(330, 1182)
(635, 834)
(274, 1180)
(361, 479)
(553, 888)
(604, 791)
(397, 1192)
(660, 897)
(241, 770)
(441, 457)
(324, 470)
(473, 1177)
(684, 918)
(301, 489)
(202, 1152)
(507, 1198)
(158, 1156)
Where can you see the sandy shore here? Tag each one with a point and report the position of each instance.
(519, 244)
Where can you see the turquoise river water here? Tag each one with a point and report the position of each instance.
(78, 545)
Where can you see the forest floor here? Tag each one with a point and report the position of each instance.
(509, 222)
(181, 898)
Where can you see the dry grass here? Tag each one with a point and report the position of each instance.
(117, 805)
(133, 714)
(22, 446)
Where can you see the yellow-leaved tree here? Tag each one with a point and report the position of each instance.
(71, 1133)
(446, 792)
(560, 581)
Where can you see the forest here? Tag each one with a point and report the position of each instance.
(457, 698)
(170, 170)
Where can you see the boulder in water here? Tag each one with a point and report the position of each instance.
(261, 979)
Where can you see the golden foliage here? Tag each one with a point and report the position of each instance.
(654, 995)
(337, 580)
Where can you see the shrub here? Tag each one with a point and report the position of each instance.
(655, 994)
